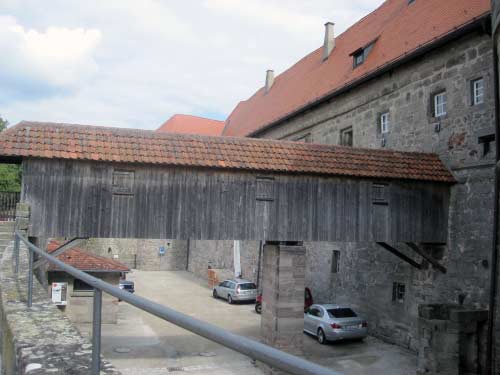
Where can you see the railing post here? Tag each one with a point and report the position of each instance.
(30, 278)
(96, 332)
(16, 253)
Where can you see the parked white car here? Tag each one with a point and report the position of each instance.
(236, 290)
(334, 322)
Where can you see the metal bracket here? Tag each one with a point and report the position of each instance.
(424, 254)
(61, 249)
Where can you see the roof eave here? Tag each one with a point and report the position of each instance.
(473, 25)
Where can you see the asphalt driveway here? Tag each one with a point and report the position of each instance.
(143, 344)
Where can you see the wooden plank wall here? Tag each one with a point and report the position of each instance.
(86, 199)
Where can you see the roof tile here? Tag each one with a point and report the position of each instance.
(139, 146)
(400, 29)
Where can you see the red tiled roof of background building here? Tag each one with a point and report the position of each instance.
(79, 142)
(85, 261)
(187, 124)
(400, 29)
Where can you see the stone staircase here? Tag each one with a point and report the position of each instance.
(6, 233)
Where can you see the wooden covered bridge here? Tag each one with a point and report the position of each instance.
(86, 181)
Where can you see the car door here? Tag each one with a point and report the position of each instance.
(221, 289)
(309, 319)
(230, 289)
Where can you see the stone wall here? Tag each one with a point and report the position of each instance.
(367, 272)
(39, 340)
(141, 254)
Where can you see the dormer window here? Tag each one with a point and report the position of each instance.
(359, 56)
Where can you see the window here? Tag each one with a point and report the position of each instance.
(486, 141)
(335, 261)
(477, 91)
(123, 182)
(81, 286)
(398, 292)
(341, 312)
(359, 58)
(346, 137)
(440, 104)
(379, 193)
(265, 189)
(384, 123)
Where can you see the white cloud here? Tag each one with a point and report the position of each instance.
(45, 60)
(131, 63)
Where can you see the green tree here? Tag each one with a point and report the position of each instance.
(10, 174)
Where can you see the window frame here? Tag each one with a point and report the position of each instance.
(443, 105)
(349, 129)
(398, 292)
(335, 266)
(384, 116)
(474, 91)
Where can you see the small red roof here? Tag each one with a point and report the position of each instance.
(79, 142)
(399, 29)
(85, 261)
(187, 124)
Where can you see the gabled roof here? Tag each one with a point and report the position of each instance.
(400, 29)
(79, 142)
(84, 261)
(187, 124)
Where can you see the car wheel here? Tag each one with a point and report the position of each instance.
(321, 337)
(229, 299)
(215, 294)
(258, 308)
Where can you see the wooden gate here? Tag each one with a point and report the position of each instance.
(8, 201)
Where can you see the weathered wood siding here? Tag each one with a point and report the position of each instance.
(86, 199)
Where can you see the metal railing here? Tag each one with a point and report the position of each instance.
(8, 201)
(253, 349)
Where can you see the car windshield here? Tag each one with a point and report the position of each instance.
(248, 286)
(341, 313)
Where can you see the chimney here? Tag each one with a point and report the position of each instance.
(269, 79)
(329, 43)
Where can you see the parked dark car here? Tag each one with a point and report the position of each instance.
(308, 301)
(127, 285)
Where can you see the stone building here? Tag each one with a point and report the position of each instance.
(414, 76)
(77, 296)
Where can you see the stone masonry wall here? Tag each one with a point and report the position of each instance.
(367, 273)
(141, 254)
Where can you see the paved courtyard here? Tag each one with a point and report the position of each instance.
(143, 344)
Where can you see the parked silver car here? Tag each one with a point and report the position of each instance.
(236, 290)
(334, 322)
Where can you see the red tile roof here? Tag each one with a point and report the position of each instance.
(79, 142)
(85, 261)
(187, 124)
(400, 29)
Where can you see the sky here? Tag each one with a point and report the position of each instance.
(135, 63)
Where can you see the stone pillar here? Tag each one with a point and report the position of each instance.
(22, 217)
(283, 297)
(452, 340)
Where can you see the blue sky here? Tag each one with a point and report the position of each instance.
(135, 63)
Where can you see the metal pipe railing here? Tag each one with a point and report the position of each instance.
(255, 350)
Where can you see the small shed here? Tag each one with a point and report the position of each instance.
(74, 296)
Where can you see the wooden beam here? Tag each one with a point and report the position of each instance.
(61, 249)
(426, 256)
(399, 254)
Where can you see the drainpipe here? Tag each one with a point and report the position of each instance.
(490, 360)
